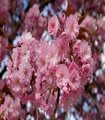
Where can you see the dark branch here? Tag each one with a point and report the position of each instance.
(44, 3)
(57, 103)
(3, 71)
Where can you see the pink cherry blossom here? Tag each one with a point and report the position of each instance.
(53, 25)
(84, 51)
(10, 108)
(86, 70)
(67, 100)
(38, 69)
(52, 55)
(62, 75)
(72, 27)
(74, 79)
(35, 23)
(62, 47)
(63, 18)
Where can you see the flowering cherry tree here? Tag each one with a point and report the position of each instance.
(55, 67)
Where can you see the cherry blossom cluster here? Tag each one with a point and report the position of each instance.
(9, 106)
(34, 22)
(51, 70)
(98, 38)
(37, 70)
(89, 22)
(3, 44)
(21, 65)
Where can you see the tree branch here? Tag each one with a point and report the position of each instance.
(44, 3)
(57, 103)
(3, 71)
(62, 116)
(36, 109)
(84, 10)
(97, 105)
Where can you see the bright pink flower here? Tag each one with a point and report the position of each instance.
(52, 55)
(86, 70)
(84, 51)
(72, 27)
(72, 66)
(16, 57)
(14, 82)
(42, 63)
(42, 22)
(62, 75)
(33, 12)
(10, 108)
(25, 53)
(63, 47)
(68, 100)
(26, 37)
(10, 66)
(65, 101)
(75, 49)
(47, 108)
(41, 57)
(35, 23)
(51, 78)
(64, 35)
(74, 79)
(53, 25)
(89, 22)
(63, 18)
(25, 71)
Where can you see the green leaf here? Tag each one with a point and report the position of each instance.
(2, 113)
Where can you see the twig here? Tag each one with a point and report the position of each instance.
(57, 102)
(45, 91)
(37, 112)
(103, 2)
(11, 13)
(84, 10)
(44, 3)
(3, 71)
(61, 116)
(66, 115)
(48, 96)
(97, 105)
